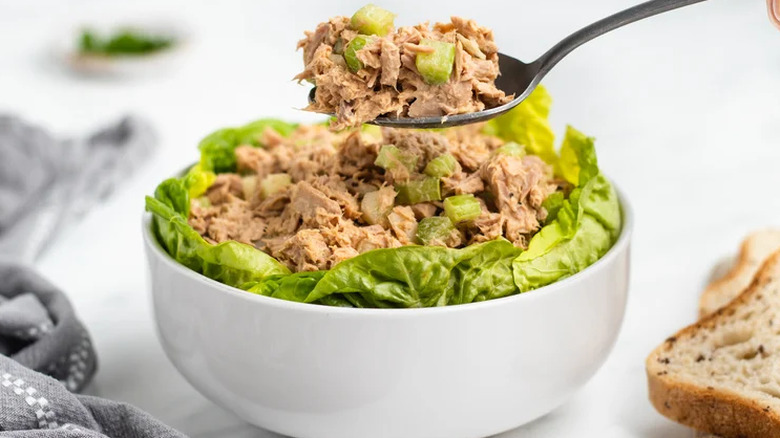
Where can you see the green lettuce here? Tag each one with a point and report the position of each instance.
(293, 287)
(527, 124)
(419, 276)
(217, 150)
(585, 225)
(486, 274)
(409, 276)
(229, 262)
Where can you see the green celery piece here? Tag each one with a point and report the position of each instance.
(512, 149)
(248, 186)
(462, 208)
(274, 183)
(390, 157)
(372, 20)
(420, 190)
(434, 228)
(441, 166)
(350, 52)
(436, 67)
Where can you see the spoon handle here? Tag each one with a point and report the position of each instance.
(587, 33)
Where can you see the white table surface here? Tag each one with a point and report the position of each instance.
(685, 107)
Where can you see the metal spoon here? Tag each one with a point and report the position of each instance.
(521, 79)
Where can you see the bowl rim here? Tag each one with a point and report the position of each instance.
(623, 241)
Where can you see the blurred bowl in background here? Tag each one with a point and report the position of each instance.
(65, 49)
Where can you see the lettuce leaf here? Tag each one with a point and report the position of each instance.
(229, 262)
(293, 287)
(577, 162)
(198, 181)
(584, 226)
(217, 150)
(419, 276)
(409, 276)
(527, 125)
(486, 274)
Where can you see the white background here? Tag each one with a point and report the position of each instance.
(685, 107)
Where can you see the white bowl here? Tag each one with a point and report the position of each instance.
(470, 370)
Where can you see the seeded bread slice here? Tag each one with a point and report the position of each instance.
(720, 375)
(731, 276)
(754, 251)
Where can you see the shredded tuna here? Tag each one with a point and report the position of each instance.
(304, 251)
(389, 84)
(424, 210)
(519, 186)
(320, 219)
(404, 224)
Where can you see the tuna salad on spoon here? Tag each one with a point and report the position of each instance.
(364, 68)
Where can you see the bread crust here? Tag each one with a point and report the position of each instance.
(709, 409)
(742, 270)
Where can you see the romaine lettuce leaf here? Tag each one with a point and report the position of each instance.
(229, 262)
(293, 287)
(217, 150)
(486, 273)
(564, 259)
(527, 125)
(584, 229)
(409, 276)
(577, 162)
(198, 181)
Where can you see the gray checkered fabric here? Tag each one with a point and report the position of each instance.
(46, 354)
(33, 405)
(29, 335)
(46, 183)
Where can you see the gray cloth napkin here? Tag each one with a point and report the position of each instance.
(38, 325)
(46, 354)
(45, 183)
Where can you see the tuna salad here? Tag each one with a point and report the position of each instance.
(364, 68)
(381, 217)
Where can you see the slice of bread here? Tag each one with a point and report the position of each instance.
(721, 375)
(731, 276)
(754, 251)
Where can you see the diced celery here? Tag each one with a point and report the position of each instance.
(436, 67)
(203, 201)
(372, 20)
(420, 190)
(462, 208)
(390, 157)
(436, 228)
(377, 204)
(350, 52)
(274, 183)
(441, 166)
(249, 185)
(372, 130)
(512, 149)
